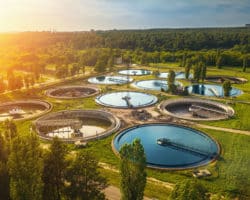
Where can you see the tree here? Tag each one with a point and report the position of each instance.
(10, 129)
(18, 82)
(62, 71)
(144, 59)
(203, 72)
(188, 68)
(55, 165)
(156, 73)
(189, 190)
(74, 69)
(171, 81)
(85, 181)
(183, 60)
(100, 65)
(14, 82)
(2, 85)
(4, 175)
(25, 168)
(32, 80)
(197, 72)
(244, 62)
(227, 88)
(218, 59)
(132, 169)
(110, 63)
(26, 80)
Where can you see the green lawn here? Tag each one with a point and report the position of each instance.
(239, 121)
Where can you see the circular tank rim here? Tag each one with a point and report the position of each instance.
(155, 100)
(101, 83)
(226, 108)
(115, 125)
(48, 107)
(116, 152)
(150, 72)
(49, 91)
(241, 91)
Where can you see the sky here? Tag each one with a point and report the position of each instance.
(82, 15)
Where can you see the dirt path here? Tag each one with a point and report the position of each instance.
(223, 129)
(149, 179)
(113, 193)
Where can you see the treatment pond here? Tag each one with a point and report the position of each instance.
(153, 84)
(211, 90)
(126, 99)
(178, 75)
(135, 72)
(170, 146)
(110, 80)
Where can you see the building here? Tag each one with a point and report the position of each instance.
(248, 25)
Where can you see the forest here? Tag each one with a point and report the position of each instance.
(146, 40)
(69, 52)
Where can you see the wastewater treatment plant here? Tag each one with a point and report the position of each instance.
(178, 132)
(188, 105)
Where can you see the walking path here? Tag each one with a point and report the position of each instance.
(223, 129)
(152, 180)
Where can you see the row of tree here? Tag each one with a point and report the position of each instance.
(15, 82)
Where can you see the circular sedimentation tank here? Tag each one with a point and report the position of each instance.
(23, 109)
(170, 147)
(110, 80)
(152, 84)
(72, 92)
(126, 99)
(135, 72)
(211, 90)
(196, 109)
(221, 79)
(77, 125)
(178, 75)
